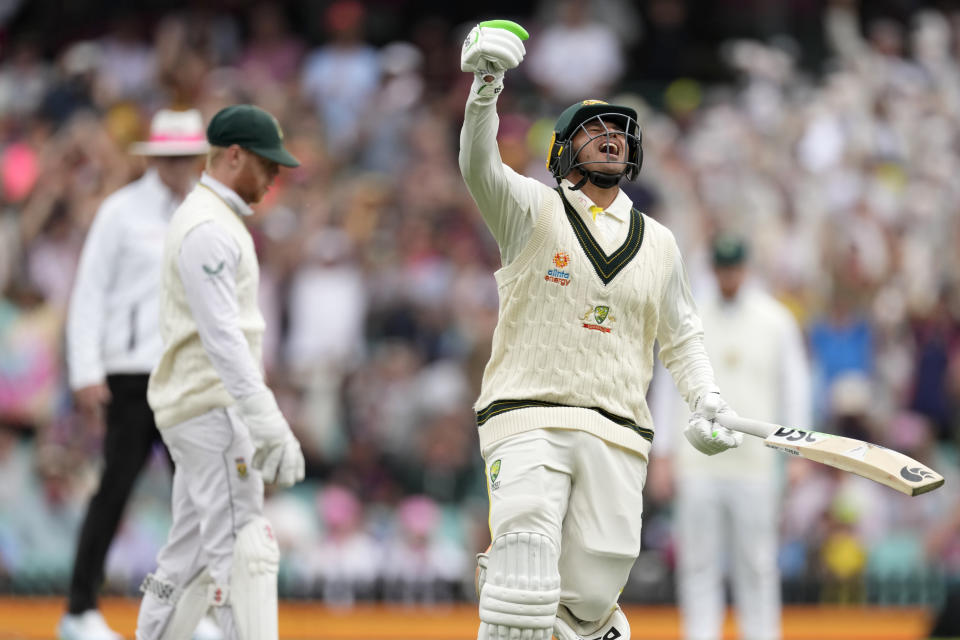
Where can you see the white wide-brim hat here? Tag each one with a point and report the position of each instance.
(174, 133)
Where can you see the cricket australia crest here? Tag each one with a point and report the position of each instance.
(600, 314)
(494, 473)
(241, 467)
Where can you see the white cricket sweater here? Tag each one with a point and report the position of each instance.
(574, 342)
(186, 383)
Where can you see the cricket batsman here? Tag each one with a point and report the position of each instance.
(216, 415)
(588, 283)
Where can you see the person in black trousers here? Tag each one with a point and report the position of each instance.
(113, 342)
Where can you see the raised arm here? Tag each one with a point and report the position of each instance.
(507, 201)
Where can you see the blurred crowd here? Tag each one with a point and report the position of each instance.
(377, 284)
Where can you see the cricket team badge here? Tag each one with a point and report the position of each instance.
(602, 320)
(241, 467)
(276, 123)
(214, 271)
(494, 474)
(557, 275)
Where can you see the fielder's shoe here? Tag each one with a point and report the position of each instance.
(207, 629)
(88, 625)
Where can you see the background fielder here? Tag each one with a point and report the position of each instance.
(757, 352)
(217, 417)
(588, 284)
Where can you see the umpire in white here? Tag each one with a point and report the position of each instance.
(218, 418)
(113, 342)
(758, 357)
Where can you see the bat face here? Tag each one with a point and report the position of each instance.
(871, 461)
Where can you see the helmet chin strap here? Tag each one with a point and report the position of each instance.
(605, 180)
(599, 179)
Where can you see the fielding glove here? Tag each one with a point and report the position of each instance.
(703, 431)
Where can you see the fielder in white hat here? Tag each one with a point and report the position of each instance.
(113, 342)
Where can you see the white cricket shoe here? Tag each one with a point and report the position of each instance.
(207, 629)
(88, 625)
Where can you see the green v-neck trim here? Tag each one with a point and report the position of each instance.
(606, 267)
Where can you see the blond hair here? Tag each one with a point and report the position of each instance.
(214, 155)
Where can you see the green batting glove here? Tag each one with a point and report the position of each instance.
(493, 46)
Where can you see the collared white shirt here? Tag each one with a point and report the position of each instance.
(227, 194)
(213, 301)
(611, 222)
(112, 323)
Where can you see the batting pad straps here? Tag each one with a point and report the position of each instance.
(160, 589)
(521, 589)
(612, 627)
(195, 598)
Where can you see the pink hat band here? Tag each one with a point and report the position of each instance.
(174, 133)
(160, 137)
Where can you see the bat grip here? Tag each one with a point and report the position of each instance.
(746, 425)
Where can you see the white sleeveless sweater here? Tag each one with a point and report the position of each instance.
(573, 347)
(185, 384)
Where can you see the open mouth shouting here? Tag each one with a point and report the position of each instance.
(610, 148)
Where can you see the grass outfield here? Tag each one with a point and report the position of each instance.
(36, 619)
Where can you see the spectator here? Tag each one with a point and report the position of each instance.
(341, 77)
(346, 559)
(841, 342)
(420, 564)
(598, 52)
(272, 54)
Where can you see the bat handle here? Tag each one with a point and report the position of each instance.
(746, 425)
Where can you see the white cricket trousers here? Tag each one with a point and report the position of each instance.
(720, 522)
(583, 493)
(216, 491)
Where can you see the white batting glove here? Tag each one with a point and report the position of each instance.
(703, 431)
(493, 46)
(277, 453)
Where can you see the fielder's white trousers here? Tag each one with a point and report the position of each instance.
(216, 492)
(720, 522)
(585, 495)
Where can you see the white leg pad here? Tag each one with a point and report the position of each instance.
(253, 581)
(483, 559)
(520, 590)
(191, 607)
(613, 627)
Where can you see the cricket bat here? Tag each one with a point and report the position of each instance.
(871, 461)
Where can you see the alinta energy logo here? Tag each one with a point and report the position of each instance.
(557, 275)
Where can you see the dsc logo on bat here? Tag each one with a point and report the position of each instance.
(796, 435)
